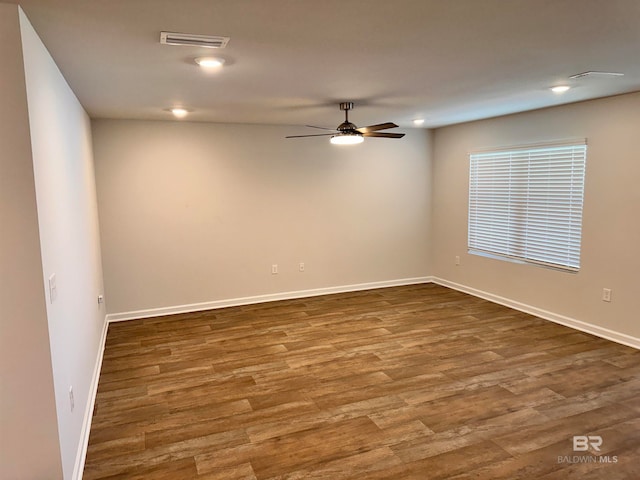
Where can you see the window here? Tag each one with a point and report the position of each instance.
(525, 204)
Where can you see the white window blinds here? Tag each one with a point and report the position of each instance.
(526, 204)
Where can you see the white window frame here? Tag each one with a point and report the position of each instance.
(526, 203)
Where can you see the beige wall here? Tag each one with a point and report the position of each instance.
(611, 230)
(28, 425)
(69, 238)
(194, 212)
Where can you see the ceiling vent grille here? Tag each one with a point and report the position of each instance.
(596, 74)
(208, 41)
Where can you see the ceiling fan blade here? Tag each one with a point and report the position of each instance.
(373, 128)
(321, 128)
(314, 135)
(383, 135)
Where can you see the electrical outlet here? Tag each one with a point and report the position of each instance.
(606, 294)
(457, 260)
(71, 401)
(301, 267)
(274, 269)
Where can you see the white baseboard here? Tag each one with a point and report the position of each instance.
(81, 456)
(605, 333)
(234, 302)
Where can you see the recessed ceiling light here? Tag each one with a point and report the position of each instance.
(560, 88)
(347, 139)
(179, 112)
(418, 121)
(210, 62)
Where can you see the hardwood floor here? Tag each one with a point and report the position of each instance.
(417, 382)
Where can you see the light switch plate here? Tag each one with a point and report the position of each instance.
(53, 288)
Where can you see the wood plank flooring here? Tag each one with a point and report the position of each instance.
(417, 382)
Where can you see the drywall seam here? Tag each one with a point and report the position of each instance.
(83, 445)
(601, 332)
(234, 302)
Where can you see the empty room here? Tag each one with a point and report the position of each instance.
(319, 239)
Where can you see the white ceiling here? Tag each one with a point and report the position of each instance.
(291, 61)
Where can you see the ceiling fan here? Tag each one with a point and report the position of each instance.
(347, 133)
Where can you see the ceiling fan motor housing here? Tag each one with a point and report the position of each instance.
(347, 127)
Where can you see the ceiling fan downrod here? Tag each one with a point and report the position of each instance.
(346, 126)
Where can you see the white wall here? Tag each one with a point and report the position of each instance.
(611, 230)
(194, 212)
(69, 236)
(28, 424)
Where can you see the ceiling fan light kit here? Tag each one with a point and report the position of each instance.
(348, 133)
(346, 139)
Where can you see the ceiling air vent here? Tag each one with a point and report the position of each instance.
(596, 74)
(208, 41)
